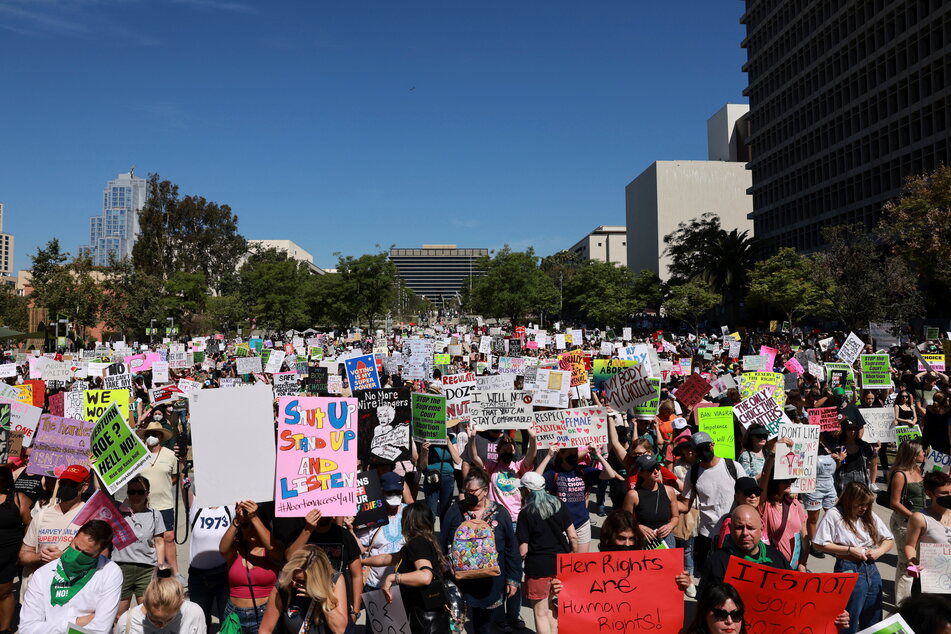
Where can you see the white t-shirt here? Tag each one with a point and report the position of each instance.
(206, 534)
(100, 595)
(714, 494)
(832, 529)
(50, 527)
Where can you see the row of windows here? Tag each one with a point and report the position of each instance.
(809, 237)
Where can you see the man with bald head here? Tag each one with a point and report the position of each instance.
(744, 541)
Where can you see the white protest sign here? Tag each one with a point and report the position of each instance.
(799, 460)
(754, 363)
(816, 370)
(248, 365)
(550, 430)
(586, 426)
(550, 388)
(495, 382)
(879, 424)
(274, 361)
(8, 370)
(54, 371)
(935, 567)
(500, 410)
(937, 461)
(458, 388)
(159, 372)
(187, 385)
(384, 616)
(851, 348)
(629, 388)
(24, 418)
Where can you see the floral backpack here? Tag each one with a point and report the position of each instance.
(473, 554)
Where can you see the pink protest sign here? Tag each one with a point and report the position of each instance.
(826, 417)
(770, 354)
(316, 456)
(100, 507)
(793, 365)
(142, 362)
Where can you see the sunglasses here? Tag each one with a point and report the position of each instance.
(136, 491)
(720, 614)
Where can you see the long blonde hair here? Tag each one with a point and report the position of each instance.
(856, 493)
(313, 562)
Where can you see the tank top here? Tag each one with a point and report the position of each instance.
(935, 532)
(263, 577)
(11, 525)
(653, 507)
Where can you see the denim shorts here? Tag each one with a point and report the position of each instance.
(250, 622)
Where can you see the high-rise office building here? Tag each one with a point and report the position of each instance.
(6, 249)
(115, 230)
(607, 243)
(436, 271)
(847, 99)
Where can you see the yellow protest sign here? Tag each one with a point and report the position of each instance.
(25, 393)
(96, 402)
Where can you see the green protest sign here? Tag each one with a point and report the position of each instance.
(648, 410)
(876, 371)
(718, 422)
(907, 432)
(429, 418)
(607, 369)
(118, 454)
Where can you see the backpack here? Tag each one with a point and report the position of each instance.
(473, 553)
(695, 472)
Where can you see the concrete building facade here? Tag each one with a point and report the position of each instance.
(114, 231)
(6, 250)
(847, 99)
(291, 248)
(607, 243)
(436, 271)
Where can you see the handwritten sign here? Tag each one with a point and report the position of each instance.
(574, 362)
(759, 409)
(605, 369)
(879, 424)
(385, 617)
(935, 568)
(316, 456)
(96, 402)
(495, 382)
(501, 410)
(429, 418)
(798, 461)
(59, 442)
(827, 418)
(783, 600)
(937, 461)
(718, 422)
(773, 382)
(118, 454)
(754, 363)
(629, 388)
(457, 388)
(851, 349)
(907, 432)
(693, 390)
(622, 591)
(550, 388)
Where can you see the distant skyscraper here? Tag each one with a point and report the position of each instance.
(437, 271)
(115, 230)
(6, 249)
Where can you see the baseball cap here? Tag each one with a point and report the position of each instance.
(391, 481)
(680, 423)
(76, 473)
(646, 463)
(758, 430)
(700, 438)
(533, 481)
(747, 486)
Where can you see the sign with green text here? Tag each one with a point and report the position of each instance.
(117, 452)
(718, 422)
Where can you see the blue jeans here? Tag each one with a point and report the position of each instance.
(687, 545)
(865, 604)
(250, 622)
(439, 496)
(209, 589)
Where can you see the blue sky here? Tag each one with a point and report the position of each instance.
(347, 125)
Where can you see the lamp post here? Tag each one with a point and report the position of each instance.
(151, 331)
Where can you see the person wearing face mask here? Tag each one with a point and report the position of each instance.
(81, 586)
(51, 531)
(932, 525)
(386, 539)
(710, 482)
(161, 470)
(164, 610)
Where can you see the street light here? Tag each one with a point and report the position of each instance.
(171, 326)
(151, 331)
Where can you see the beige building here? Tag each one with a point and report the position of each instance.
(6, 249)
(607, 243)
(292, 249)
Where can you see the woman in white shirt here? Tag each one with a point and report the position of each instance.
(163, 610)
(857, 537)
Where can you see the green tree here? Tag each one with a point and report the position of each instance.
(226, 313)
(365, 286)
(274, 290)
(187, 235)
(649, 289)
(513, 286)
(131, 298)
(785, 282)
(14, 309)
(66, 287)
(690, 301)
(688, 245)
(184, 300)
(47, 262)
(561, 268)
(602, 294)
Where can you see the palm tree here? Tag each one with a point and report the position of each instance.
(726, 266)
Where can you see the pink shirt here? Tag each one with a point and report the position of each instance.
(504, 485)
(773, 524)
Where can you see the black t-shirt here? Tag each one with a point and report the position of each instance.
(29, 485)
(416, 548)
(342, 550)
(543, 543)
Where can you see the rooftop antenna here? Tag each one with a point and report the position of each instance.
(132, 171)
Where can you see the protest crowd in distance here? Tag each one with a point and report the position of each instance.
(438, 479)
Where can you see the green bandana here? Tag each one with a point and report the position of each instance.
(760, 557)
(73, 572)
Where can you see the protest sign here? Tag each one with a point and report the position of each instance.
(275, 359)
(793, 365)
(628, 388)
(783, 600)
(937, 461)
(457, 388)
(718, 422)
(827, 418)
(935, 361)
(511, 365)
(879, 424)
(585, 426)
(214, 415)
(907, 432)
(58, 443)
(316, 456)
(751, 382)
(96, 402)
(8, 370)
(181, 360)
(117, 382)
(549, 388)
(429, 417)
(25, 393)
(721, 384)
(384, 420)
(418, 359)
(248, 365)
(54, 371)
(760, 409)
(141, 362)
(892, 625)
(851, 349)
(843, 375)
(735, 349)
(384, 617)
(754, 363)
(371, 511)
(118, 454)
(605, 369)
(693, 390)
(876, 371)
(56, 403)
(495, 382)
(798, 460)
(442, 359)
(648, 409)
(285, 384)
(317, 377)
(334, 384)
(574, 362)
(101, 507)
(621, 591)
(935, 567)
(159, 372)
(549, 428)
(22, 417)
(770, 354)
(167, 394)
(362, 373)
(511, 409)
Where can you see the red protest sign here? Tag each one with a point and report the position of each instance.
(783, 600)
(826, 417)
(623, 591)
(693, 390)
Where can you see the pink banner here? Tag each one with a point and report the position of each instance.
(770, 354)
(142, 362)
(316, 456)
(100, 507)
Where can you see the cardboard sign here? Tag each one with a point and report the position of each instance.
(96, 402)
(495, 382)
(718, 422)
(936, 568)
(827, 418)
(876, 371)
(851, 349)
(457, 388)
(383, 616)
(760, 409)
(118, 454)
(800, 459)
(362, 373)
(316, 456)
(693, 390)
(610, 591)
(628, 388)
(501, 410)
(384, 419)
(782, 600)
(879, 424)
(371, 510)
(429, 418)
(59, 443)
(549, 388)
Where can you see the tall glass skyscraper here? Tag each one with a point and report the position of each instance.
(115, 230)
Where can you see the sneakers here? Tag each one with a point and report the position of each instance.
(601, 511)
(691, 591)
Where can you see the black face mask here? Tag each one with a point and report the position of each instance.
(944, 501)
(506, 457)
(705, 454)
(625, 547)
(471, 500)
(67, 492)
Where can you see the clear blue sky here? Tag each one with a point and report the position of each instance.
(346, 125)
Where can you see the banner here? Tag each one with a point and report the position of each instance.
(362, 373)
(827, 418)
(718, 422)
(384, 419)
(58, 443)
(876, 371)
(316, 456)
(760, 409)
(501, 410)
(621, 591)
(457, 388)
(118, 454)
(850, 349)
(371, 511)
(879, 424)
(429, 418)
(628, 388)
(783, 600)
(798, 460)
(96, 402)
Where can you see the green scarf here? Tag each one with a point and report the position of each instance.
(760, 557)
(73, 572)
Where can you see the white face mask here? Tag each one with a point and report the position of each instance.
(393, 500)
(158, 416)
(151, 441)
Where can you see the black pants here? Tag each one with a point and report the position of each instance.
(209, 589)
(701, 549)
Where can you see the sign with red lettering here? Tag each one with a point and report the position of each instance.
(788, 601)
(621, 591)
(826, 417)
(693, 390)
